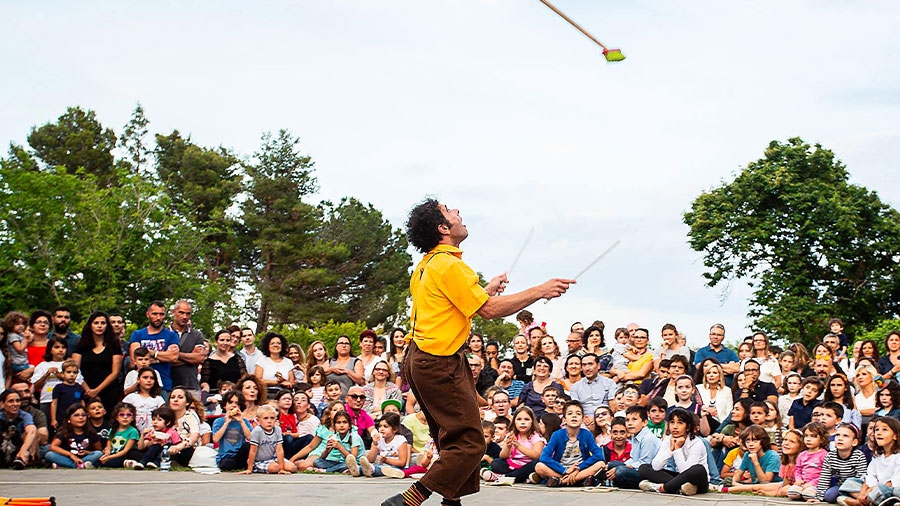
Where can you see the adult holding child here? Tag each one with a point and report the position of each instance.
(445, 297)
(99, 356)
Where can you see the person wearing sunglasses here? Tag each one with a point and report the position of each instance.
(362, 420)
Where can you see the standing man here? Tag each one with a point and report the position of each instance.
(445, 297)
(727, 358)
(162, 343)
(62, 318)
(192, 349)
(249, 352)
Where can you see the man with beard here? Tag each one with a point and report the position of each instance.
(40, 445)
(62, 318)
(162, 343)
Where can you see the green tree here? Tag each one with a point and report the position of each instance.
(278, 225)
(78, 142)
(810, 244)
(134, 140)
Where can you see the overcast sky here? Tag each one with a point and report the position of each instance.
(499, 108)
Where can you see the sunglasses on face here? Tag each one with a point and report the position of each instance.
(356, 396)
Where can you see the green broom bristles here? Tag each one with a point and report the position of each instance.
(613, 55)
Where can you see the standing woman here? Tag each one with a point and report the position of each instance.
(99, 356)
(396, 353)
(222, 365)
(367, 351)
(39, 323)
(769, 368)
(316, 355)
(889, 364)
(670, 344)
(274, 368)
(344, 368)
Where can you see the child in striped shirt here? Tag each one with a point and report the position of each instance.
(841, 464)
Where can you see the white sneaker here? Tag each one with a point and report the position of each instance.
(649, 486)
(534, 478)
(366, 466)
(689, 489)
(506, 480)
(88, 464)
(715, 488)
(392, 472)
(129, 464)
(352, 466)
(488, 475)
(842, 500)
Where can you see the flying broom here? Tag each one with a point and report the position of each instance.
(611, 55)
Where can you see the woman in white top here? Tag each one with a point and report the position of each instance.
(865, 391)
(769, 368)
(717, 397)
(367, 351)
(689, 452)
(274, 369)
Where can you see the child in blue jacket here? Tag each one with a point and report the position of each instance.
(571, 457)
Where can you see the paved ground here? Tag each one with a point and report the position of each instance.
(136, 488)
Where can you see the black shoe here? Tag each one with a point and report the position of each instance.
(588, 482)
(553, 481)
(18, 464)
(396, 500)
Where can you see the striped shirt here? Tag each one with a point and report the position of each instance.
(836, 469)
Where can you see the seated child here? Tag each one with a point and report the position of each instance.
(156, 438)
(791, 446)
(809, 463)
(232, 433)
(686, 446)
(760, 463)
(571, 456)
(883, 470)
(66, 393)
(800, 413)
(142, 358)
(333, 393)
(519, 451)
(492, 449)
(390, 455)
(843, 463)
(266, 453)
(656, 414)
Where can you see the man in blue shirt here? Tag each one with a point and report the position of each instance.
(727, 358)
(162, 343)
(593, 390)
(62, 318)
(644, 446)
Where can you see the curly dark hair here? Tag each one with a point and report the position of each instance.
(264, 344)
(422, 225)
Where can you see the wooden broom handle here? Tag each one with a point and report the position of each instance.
(573, 23)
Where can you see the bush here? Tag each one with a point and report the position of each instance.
(879, 333)
(325, 332)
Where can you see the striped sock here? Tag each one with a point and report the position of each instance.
(415, 495)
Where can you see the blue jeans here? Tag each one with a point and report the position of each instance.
(64, 461)
(626, 477)
(330, 466)
(882, 492)
(377, 469)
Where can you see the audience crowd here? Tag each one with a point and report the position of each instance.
(810, 425)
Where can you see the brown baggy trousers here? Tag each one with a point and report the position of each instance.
(445, 390)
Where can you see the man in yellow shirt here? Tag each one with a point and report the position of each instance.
(445, 296)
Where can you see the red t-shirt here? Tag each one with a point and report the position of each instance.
(36, 354)
(288, 423)
(621, 457)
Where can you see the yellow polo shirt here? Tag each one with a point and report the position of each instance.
(445, 297)
(639, 363)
